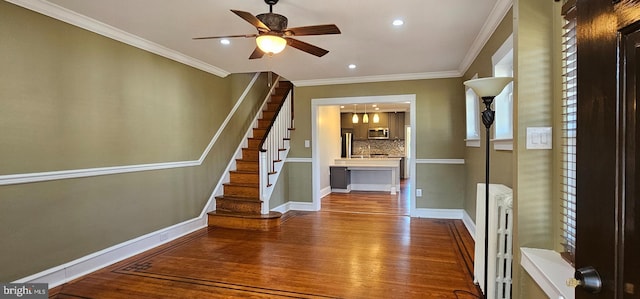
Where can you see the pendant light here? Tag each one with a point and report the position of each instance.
(365, 117)
(354, 119)
(376, 117)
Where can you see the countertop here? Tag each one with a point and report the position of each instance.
(368, 162)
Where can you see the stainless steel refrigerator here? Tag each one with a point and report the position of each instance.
(347, 144)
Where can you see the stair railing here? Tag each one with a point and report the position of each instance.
(274, 148)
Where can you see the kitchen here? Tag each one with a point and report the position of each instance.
(373, 148)
(326, 123)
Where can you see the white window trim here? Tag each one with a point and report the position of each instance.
(472, 141)
(504, 144)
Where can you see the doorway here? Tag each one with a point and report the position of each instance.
(320, 162)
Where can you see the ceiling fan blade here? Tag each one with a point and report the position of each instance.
(227, 36)
(306, 47)
(257, 53)
(247, 16)
(314, 30)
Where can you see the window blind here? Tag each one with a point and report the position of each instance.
(569, 125)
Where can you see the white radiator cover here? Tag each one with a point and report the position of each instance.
(500, 246)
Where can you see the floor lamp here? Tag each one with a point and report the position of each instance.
(487, 89)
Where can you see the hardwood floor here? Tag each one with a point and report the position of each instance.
(351, 249)
(369, 202)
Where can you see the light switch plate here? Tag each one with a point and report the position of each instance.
(539, 138)
(307, 143)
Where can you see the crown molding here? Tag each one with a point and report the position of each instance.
(499, 11)
(381, 78)
(68, 16)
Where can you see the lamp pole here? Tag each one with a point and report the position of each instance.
(487, 89)
(488, 116)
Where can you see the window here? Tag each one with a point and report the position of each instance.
(568, 147)
(473, 120)
(503, 103)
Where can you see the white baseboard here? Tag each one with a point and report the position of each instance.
(469, 224)
(75, 269)
(439, 213)
(294, 206)
(325, 191)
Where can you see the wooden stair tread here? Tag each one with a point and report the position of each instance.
(245, 160)
(244, 171)
(239, 198)
(271, 215)
(242, 184)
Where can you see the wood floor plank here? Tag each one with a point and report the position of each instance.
(340, 253)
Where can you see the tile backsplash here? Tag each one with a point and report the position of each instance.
(379, 147)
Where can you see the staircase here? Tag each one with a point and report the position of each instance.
(242, 205)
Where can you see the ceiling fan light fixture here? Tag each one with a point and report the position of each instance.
(271, 44)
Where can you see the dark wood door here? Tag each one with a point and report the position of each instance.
(607, 203)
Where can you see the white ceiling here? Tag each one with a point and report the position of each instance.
(439, 38)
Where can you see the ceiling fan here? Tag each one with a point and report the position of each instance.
(273, 35)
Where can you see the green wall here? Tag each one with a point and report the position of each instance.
(71, 99)
(534, 203)
(501, 161)
(440, 125)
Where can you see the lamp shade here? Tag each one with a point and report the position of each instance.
(488, 87)
(365, 118)
(354, 118)
(271, 44)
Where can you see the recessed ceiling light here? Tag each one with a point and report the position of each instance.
(352, 66)
(398, 22)
(225, 41)
(341, 107)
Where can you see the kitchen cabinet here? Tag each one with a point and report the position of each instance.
(340, 177)
(360, 131)
(396, 125)
(345, 121)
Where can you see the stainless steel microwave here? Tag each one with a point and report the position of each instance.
(378, 133)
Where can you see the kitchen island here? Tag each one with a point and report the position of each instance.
(372, 174)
